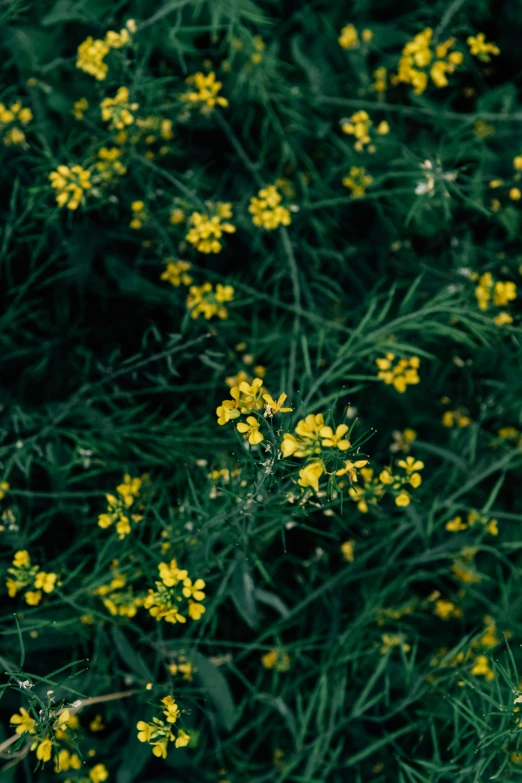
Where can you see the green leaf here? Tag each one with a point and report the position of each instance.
(270, 599)
(244, 594)
(132, 658)
(216, 688)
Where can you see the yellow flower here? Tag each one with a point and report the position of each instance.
(271, 406)
(195, 610)
(160, 748)
(45, 582)
(171, 712)
(23, 722)
(43, 749)
(33, 597)
(91, 56)
(182, 740)
(176, 273)
(118, 110)
(455, 525)
(393, 640)
(96, 724)
(481, 668)
(145, 731)
(446, 610)
(357, 181)
(21, 559)
(349, 38)
(480, 48)
(202, 300)
(98, 774)
(205, 94)
(194, 590)
(66, 760)
(402, 499)
(309, 475)
(70, 182)
(410, 464)
(4, 487)
(351, 468)
(347, 549)
(335, 440)
(266, 209)
(278, 659)
(250, 430)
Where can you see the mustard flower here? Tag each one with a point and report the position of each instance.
(266, 209)
(70, 182)
(205, 92)
(43, 749)
(276, 659)
(347, 548)
(207, 229)
(400, 373)
(176, 273)
(117, 111)
(91, 55)
(480, 48)
(309, 475)
(98, 774)
(203, 300)
(357, 181)
(23, 722)
(250, 430)
(12, 121)
(272, 407)
(65, 760)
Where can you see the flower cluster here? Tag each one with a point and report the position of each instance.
(25, 575)
(203, 300)
(139, 215)
(120, 506)
(480, 48)
(456, 418)
(417, 63)
(497, 293)
(349, 38)
(176, 595)
(12, 120)
(402, 440)
(474, 517)
(206, 229)
(248, 398)
(118, 598)
(374, 487)
(324, 450)
(159, 733)
(357, 181)
(92, 52)
(117, 111)
(276, 659)
(359, 125)
(400, 373)
(176, 273)
(70, 182)
(266, 209)
(204, 93)
(45, 728)
(109, 165)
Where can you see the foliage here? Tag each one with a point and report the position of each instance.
(304, 218)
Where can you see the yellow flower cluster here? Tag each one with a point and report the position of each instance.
(12, 120)
(480, 48)
(205, 92)
(402, 440)
(349, 38)
(246, 399)
(266, 209)
(176, 595)
(373, 487)
(498, 293)
(92, 53)
(182, 666)
(159, 733)
(276, 659)
(203, 300)
(120, 505)
(357, 181)
(70, 182)
(109, 165)
(417, 62)
(389, 641)
(118, 601)
(359, 125)
(176, 273)
(117, 111)
(25, 575)
(400, 373)
(380, 83)
(139, 215)
(206, 229)
(456, 418)
(55, 720)
(324, 449)
(473, 656)
(79, 108)
(474, 517)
